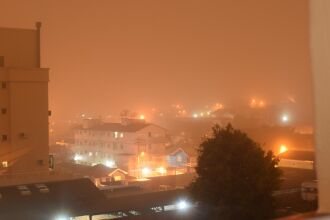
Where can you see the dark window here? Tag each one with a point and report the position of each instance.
(3, 111)
(4, 137)
(40, 162)
(3, 85)
(149, 134)
(2, 61)
(22, 135)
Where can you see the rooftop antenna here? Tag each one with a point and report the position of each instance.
(38, 26)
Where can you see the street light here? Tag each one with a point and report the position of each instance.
(110, 163)
(77, 157)
(283, 149)
(146, 171)
(285, 118)
(61, 217)
(161, 170)
(182, 205)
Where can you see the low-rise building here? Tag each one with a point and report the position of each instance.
(181, 159)
(101, 175)
(131, 144)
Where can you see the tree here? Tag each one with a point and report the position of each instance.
(235, 177)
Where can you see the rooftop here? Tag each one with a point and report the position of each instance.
(43, 200)
(298, 155)
(119, 127)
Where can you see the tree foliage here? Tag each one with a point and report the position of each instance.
(235, 177)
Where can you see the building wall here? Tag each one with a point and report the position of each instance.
(25, 122)
(154, 140)
(320, 54)
(97, 146)
(23, 107)
(19, 47)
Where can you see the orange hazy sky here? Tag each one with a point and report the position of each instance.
(107, 55)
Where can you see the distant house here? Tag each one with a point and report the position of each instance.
(99, 174)
(104, 176)
(182, 157)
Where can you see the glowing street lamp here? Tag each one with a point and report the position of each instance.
(146, 171)
(142, 117)
(285, 118)
(161, 170)
(61, 217)
(110, 163)
(283, 149)
(182, 205)
(77, 157)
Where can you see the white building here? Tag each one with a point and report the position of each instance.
(131, 145)
(23, 105)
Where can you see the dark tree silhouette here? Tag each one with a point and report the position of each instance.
(236, 177)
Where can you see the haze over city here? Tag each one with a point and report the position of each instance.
(114, 55)
(169, 109)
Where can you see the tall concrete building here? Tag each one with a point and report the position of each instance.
(23, 105)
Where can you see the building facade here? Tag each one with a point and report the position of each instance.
(23, 104)
(320, 50)
(130, 145)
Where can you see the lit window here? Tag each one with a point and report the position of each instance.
(115, 134)
(121, 135)
(4, 163)
(179, 158)
(117, 178)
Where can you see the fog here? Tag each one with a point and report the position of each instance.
(110, 55)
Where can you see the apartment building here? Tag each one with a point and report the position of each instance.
(131, 144)
(23, 104)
